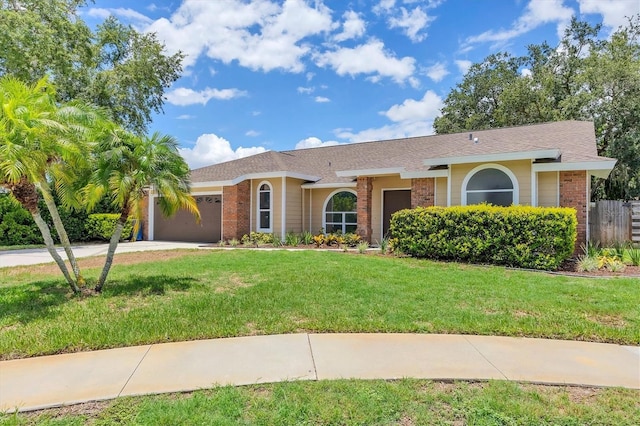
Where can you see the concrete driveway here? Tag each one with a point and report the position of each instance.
(35, 256)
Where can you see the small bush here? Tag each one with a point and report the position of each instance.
(362, 247)
(16, 224)
(257, 238)
(384, 245)
(352, 240)
(615, 265)
(100, 226)
(591, 249)
(234, 242)
(634, 256)
(292, 239)
(587, 264)
(529, 237)
(307, 238)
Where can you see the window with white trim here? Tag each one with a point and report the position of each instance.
(340, 213)
(265, 209)
(492, 186)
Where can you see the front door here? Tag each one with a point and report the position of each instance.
(392, 202)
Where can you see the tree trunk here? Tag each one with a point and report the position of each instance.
(113, 244)
(62, 233)
(48, 240)
(27, 195)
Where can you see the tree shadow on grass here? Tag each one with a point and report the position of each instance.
(154, 285)
(39, 300)
(33, 301)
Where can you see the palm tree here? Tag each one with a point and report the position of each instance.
(40, 139)
(127, 168)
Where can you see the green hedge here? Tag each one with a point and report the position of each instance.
(16, 224)
(520, 236)
(100, 226)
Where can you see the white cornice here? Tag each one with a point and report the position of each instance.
(370, 172)
(486, 158)
(329, 185)
(596, 168)
(263, 175)
(425, 174)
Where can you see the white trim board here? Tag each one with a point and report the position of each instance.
(504, 156)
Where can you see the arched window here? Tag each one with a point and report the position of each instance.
(265, 212)
(340, 214)
(492, 184)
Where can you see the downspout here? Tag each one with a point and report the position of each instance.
(284, 206)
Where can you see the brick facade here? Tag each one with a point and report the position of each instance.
(236, 214)
(423, 192)
(364, 189)
(573, 193)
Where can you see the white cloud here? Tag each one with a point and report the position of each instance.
(614, 12)
(392, 131)
(322, 99)
(369, 58)
(412, 23)
(212, 149)
(306, 90)
(352, 27)
(120, 12)
(183, 96)
(463, 65)
(384, 6)
(259, 35)
(410, 118)
(526, 72)
(426, 108)
(185, 117)
(437, 71)
(314, 142)
(252, 133)
(537, 12)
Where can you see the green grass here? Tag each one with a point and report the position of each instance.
(403, 402)
(21, 247)
(243, 292)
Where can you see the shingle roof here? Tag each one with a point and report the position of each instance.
(574, 139)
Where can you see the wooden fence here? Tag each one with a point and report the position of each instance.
(614, 221)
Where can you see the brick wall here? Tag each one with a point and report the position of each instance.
(422, 192)
(573, 193)
(236, 214)
(364, 189)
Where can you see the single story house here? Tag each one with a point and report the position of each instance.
(357, 187)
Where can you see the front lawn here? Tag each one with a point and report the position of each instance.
(243, 292)
(357, 402)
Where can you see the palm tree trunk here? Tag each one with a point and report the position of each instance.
(62, 233)
(48, 240)
(113, 244)
(27, 195)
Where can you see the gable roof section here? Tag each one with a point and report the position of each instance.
(564, 145)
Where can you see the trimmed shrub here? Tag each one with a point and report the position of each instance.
(100, 226)
(16, 224)
(520, 236)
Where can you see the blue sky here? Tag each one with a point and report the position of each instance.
(279, 75)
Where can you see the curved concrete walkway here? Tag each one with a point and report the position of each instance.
(41, 255)
(34, 383)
